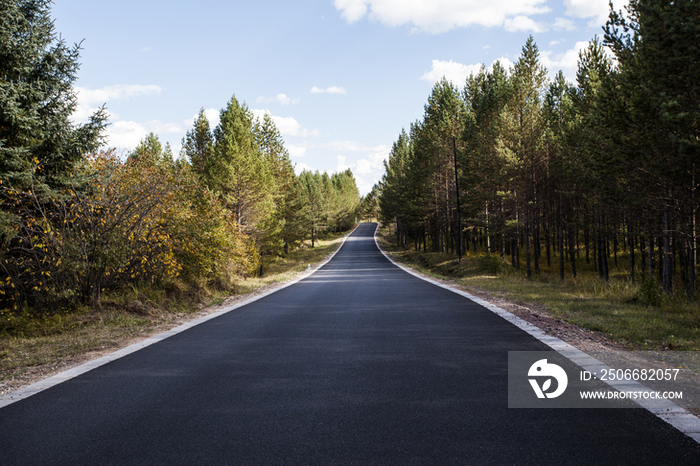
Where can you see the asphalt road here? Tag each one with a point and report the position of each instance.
(360, 363)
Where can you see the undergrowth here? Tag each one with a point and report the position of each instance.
(29, 339)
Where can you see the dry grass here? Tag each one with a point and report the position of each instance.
(634, 315)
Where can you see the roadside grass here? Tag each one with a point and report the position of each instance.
(29, 343)
(635, 315)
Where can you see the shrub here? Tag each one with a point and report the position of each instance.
(143, 220)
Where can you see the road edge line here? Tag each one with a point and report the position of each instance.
(37, 387)
(675, 415)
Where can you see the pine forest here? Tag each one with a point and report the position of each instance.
(544, 173)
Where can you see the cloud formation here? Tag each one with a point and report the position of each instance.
(288, 126)
(212, 115)
(279, 98)
(296, 151)
(567, 62)
(368, 169)
(437, 16)
(89, 100)
(596, 9)
(122, 134)
(328, 90)
(126, 135)
(524, 23)
(457, 72)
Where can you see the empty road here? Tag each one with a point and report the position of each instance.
(358, 364)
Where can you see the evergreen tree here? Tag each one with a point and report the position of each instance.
(312, 203)
(282, 230)
(238, 171)
(37, 72)
(150, 148)
(348, 199)
(526, 140)
(393, 202)
(197, 145)
(369, 204)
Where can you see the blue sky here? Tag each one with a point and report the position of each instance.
(341, 78)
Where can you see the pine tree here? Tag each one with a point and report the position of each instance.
(656, 47)
(348, 199)
(37, 72)
(312, 204)
(36, 94)
(526, 139)
(282, 230)
(197, 145)
(150, 148)
(238, 171)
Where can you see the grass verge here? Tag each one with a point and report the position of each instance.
(34, 348)
(635, 316)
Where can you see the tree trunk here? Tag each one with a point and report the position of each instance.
(667, 276)
(561, 238)
(572, 250)
(527, 243)
(631, 246)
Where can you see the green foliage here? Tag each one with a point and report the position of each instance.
(143, 220)
(558, 170)
(37, 71)
(313, 203)
(197, 145)
(74, 225)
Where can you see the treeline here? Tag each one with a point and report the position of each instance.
(549, 171)
(77, 221)
(244, 162)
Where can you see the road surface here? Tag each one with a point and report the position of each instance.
(360, 363)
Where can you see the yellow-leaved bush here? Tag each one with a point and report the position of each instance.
(142, 220)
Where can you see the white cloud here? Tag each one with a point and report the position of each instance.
(563, 24)
(301, 166)
(288, 126)
(212, 115)
(457, 72)
(373, 163)
(364, 186)
(368, 169)
(437, 16)
(126, 135)
(596, 9)
(567, 62)
(523, 23)
(340, 165)
(279, 98)
(89, 100)
(328, 90)
(351, 10)
(453, 71)
(117, 92)
(296, 151)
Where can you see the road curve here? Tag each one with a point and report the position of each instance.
(358, 364)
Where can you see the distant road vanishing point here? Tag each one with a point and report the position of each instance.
(360, 363)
